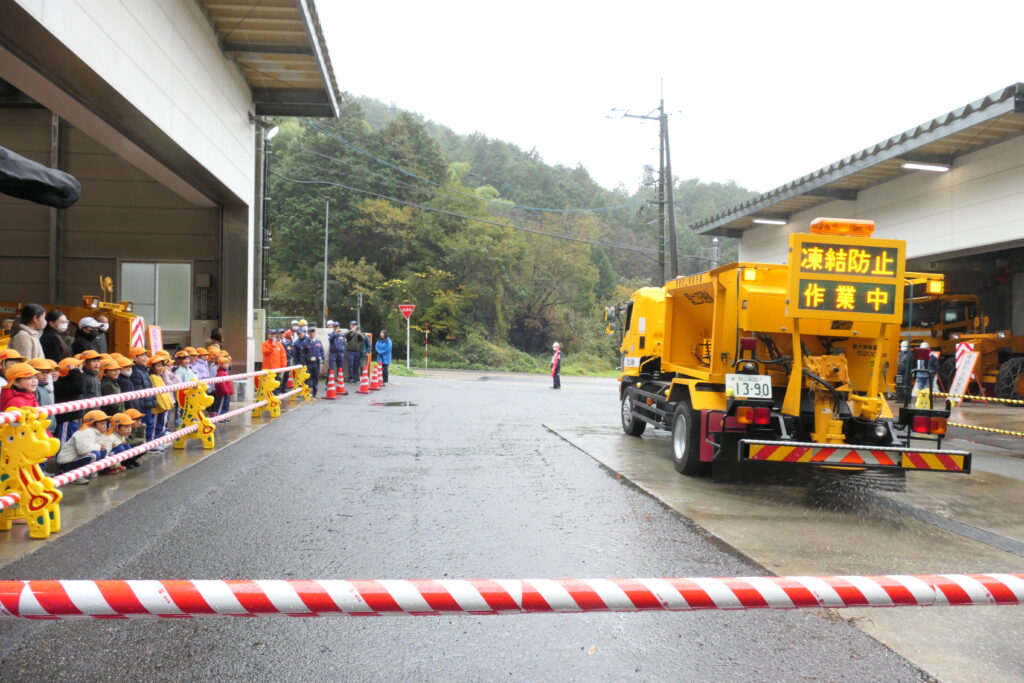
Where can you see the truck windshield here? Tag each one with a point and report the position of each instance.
(923, 314)
(957, 311)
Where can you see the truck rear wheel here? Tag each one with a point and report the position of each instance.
(686, 441)
(631, 424)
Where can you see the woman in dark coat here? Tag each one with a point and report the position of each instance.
(55, 344)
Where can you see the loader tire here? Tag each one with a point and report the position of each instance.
(631, 424)
(686, 441)
(947, 371)
(1010, 380)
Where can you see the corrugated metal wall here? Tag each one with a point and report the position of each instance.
(123, 214)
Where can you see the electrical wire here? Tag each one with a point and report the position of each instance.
(455, 214)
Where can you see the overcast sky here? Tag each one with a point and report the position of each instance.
(760, 92)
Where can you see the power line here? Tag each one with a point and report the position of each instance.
(455, 214)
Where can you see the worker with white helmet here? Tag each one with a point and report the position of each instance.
(930, 363)
(556, 365)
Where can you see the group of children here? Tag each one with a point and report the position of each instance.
(88, 436)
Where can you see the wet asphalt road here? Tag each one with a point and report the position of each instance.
(466, 483)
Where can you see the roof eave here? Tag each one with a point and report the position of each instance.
(893, 148)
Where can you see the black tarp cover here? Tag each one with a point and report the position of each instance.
(26, 179)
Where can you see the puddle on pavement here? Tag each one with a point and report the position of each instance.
(392, 404)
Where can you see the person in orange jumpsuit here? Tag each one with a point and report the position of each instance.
(269, 349)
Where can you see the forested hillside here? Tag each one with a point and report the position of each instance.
(501, 252)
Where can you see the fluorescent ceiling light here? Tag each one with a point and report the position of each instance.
(934, 168)
(769, 221)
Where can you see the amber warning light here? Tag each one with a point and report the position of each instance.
(936, 286)
(840, 226)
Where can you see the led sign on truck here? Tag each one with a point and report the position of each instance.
(845, 276)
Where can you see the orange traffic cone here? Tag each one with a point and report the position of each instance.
(364, 383)
(341, 383)
(375, 378)
(332, 391)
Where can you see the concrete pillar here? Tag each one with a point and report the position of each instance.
(236, 268)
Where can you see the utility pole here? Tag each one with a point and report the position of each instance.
(669, 183)
(327, 218)
(666, 199)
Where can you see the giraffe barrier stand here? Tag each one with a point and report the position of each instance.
(26, 444)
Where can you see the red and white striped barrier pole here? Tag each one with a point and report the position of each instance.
(298, 598)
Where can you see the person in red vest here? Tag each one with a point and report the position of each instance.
(556, 365)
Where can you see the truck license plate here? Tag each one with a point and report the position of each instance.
(748, 386)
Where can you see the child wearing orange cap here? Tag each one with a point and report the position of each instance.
(90, 370)
(84, 447)
(200, 363)
(140, 380)
(136, 437)
(183, 365)
(115, 440)
(47, 376)
(22, 380)
(162, 408)
(124, 377)
(8, 358)
(68, 387)
(222, 391)
(110, 369)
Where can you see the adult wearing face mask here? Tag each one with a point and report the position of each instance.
(54, 337)
(101, 336)
(26, 341)
(85, 337)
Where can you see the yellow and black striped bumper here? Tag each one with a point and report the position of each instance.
(856, 456)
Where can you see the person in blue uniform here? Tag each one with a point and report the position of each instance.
(309, 351)
(336, 351)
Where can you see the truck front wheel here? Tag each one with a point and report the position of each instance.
(686, 441)
(631, 424)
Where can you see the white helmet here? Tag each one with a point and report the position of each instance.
(925, 345)
(556, 345)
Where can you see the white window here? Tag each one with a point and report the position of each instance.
(160, 292)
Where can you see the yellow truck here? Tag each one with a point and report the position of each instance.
(757, 367)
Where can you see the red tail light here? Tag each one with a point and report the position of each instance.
(748, 343)
(921, 424)
(762, 416)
